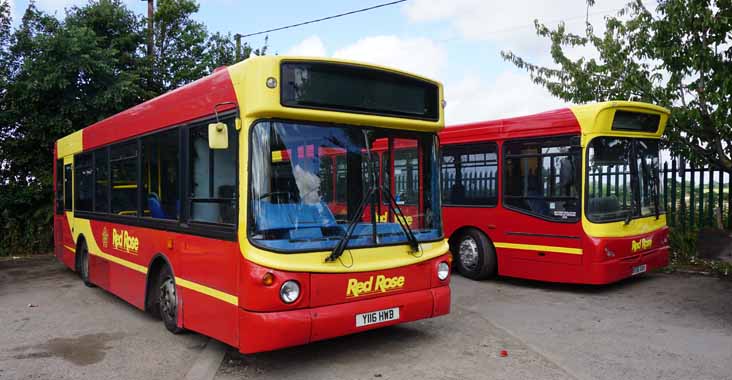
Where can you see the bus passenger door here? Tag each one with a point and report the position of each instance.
(209, 257)
(66, 218)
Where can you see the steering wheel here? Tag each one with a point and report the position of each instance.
(272, 194)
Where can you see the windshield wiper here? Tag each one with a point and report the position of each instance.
(394, 208)
(341, 246)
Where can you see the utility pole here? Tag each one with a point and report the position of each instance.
(238, 46)
(150, 14)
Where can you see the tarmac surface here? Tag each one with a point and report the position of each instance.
(658, 326)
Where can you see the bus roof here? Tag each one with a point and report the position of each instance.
(561, 121)
(196, 101)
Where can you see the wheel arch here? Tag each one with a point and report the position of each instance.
(157, 262)
(458, 232)
(79, 241)
(453, 239)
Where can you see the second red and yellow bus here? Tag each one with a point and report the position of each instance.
(571, 195)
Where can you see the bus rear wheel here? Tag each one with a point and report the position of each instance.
(168, 300)
(83, 253)
(475, 255)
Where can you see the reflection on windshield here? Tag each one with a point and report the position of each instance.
(622, 179)
(307, 182)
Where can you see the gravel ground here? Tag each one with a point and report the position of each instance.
(75, 332)
(658, 326)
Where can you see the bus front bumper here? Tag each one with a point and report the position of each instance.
(274, 330)
(618, 269)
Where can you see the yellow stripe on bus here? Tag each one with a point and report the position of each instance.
(123, 262)
(228, 298)
(547, 248)
(72, 249)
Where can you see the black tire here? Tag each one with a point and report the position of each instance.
(168, 300)
(153, 297)
(474, 255)
(83, 253)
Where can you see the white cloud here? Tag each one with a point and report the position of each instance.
(418, 55)
(509, 25)
(52, 6)
(312, 46)
(472, 98)
(512, 93)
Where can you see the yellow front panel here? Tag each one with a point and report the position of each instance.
(352, 260)
(257, 101)
(596, 120)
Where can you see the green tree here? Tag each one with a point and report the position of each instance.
(221, 50)
(678, 56)
(58, 76)
(63, 76)
(5, 36)
(180, 44)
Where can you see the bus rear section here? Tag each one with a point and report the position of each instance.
(569, 195)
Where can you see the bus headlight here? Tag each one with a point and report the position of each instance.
(289, 291)
(443, 270)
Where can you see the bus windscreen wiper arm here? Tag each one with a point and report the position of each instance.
(341, 246)
(399, 217)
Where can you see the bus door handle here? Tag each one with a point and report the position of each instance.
(542, 254)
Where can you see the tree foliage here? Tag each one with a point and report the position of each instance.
(60, 75)
(678, 56)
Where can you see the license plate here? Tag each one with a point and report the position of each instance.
(379, 316)
(639, 269)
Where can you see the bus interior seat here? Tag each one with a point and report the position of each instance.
(153, 203)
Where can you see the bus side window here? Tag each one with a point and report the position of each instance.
(123, 161)
(469, 174)
(213, 177)
(101, 180)
(83, 178)
(541, 177)
(160, 179)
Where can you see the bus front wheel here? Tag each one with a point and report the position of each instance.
(475, 255)
(168, 298)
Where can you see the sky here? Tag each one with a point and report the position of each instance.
(457, 42)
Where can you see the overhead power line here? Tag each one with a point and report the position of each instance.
(322, 19)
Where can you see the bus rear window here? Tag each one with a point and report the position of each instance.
(636, 122)
(347, 88)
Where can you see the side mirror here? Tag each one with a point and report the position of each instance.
(218, 136)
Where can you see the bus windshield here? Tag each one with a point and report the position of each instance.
(622, 179)
(307, 182)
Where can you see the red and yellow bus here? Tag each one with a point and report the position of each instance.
(209, 205)
(570, 195)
